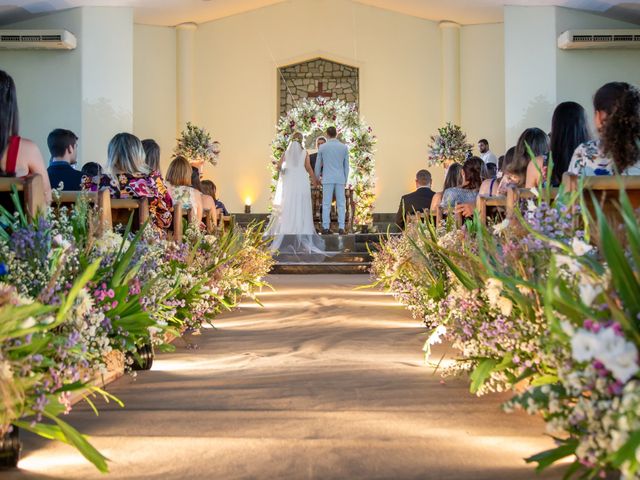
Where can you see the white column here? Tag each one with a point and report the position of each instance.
(186, 34)
(450, 65)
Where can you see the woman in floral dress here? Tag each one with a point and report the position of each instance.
(128, 177)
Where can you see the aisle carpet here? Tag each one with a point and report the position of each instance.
(325, 382)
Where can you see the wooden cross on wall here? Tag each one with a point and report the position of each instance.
(320, 92)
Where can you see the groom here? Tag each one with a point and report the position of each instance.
(333, 162)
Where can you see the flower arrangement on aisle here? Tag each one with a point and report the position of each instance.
(74, 304)
(448, 146)
(195, 144)
(312, 118)
(532, 305)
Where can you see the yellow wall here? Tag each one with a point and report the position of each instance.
(482, 84)
(236, 87)
(154, 92)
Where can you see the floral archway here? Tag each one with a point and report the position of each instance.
(312, 118)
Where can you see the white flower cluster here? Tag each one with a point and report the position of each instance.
(608, 346)
(493, 290)
(109, 242)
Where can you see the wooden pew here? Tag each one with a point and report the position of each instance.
(121, 209)
(226, 222)
(420, 216)
(178, 229)
(30, 188)
(607, 186)
(101, 199)
(515, 195)
(179, 212)
(439, 216)
(606, 191)
(211, 220)
(483, 202)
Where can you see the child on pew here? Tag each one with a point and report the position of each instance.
(209, 188)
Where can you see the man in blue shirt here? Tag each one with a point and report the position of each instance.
(332, 164)
(63, 146)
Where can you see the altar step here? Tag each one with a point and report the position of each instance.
(334, 262)
(382, 222)
(348, 254)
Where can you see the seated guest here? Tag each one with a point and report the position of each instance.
(179, 183)
(491, 171)
(19, 157)
(486, 155)
(417, 201)
(314, 156)
(515, 173)
(490, 186)
(127, 176)
(209, 188)
(617, 119)
(63, 146)
(569, 129)
(92, 169)
(152, 155)
(196, 182)
(452, 179)
(463, 198)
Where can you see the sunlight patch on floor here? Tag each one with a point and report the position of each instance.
(43, 461)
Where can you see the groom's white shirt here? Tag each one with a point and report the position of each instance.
(333, 162)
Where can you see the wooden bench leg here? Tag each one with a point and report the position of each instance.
(105, 220)
(34, 199)
(177, 222)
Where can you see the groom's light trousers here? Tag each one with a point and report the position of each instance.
(328, 189)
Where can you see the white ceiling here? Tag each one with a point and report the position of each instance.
(173, 12)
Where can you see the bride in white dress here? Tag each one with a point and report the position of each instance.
(291, 224)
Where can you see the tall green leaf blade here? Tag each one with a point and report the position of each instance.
(77, 440)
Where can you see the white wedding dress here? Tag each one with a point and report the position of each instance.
(291, 225)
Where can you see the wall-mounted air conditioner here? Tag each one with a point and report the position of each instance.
(584, 39)
(37, 40)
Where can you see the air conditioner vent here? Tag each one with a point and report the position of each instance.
(584, 39)
(37, 40)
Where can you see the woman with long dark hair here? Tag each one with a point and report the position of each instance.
(463, 197)
(617, 119)
(532, 140)
(491, 185)
(20, 157)
(453, 178)
(569, 128)
(152, 155)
